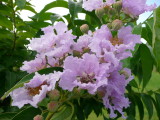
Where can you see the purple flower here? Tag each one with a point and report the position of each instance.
(91, 5)
(120, 45)
(114, 98)
(85, 73)
(83, 42)
(136, 7)
(34, 91)
(38, 63)
(56, 41)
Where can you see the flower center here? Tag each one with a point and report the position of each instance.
(116, 41)
(86, 78)
(36, 90)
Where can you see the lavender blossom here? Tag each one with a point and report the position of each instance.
(114, 98)
(136, 7)
(85, 73)
(91, 5)
(34, 91)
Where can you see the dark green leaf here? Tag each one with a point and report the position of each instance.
(147, 64)
(140, 106)
(5, 22)
(156, 103)
(27, 114)
(10, 79)
(148, 103)
(7, 116)
(133, 83)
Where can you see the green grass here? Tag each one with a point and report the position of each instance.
(153, 84)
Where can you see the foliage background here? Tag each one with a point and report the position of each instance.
(14, 36)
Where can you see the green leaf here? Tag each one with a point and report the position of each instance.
(5, 22)
(20, 3)
(147, 64)
(156, 103)
(10, 79)
(54, 17)
(7, 116)
(74, 8)
(65, 114)
(29, 8)
(27, 114)
(133, 83)
(58, 3)
(137, 29)
(5, 10)
(27, 78)
(148, 103)
(156, 37)
(38, 24)
(147, 34)
(140, 106)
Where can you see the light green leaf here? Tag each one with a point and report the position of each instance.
(74, 8)
(65, 114)
(20, 3)
(156, 37)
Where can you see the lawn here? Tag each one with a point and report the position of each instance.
(153, 84)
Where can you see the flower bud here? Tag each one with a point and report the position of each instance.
(112, 12)
(52, 106)
(125, 73)
(100, 94)
(100, 12)
(84, 28)
(54, 95)
(118, 6)
(109, 25)
(117, 24)
(38, 117)
(106, 9)
(15, 69)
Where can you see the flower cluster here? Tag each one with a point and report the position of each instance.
(91, 62)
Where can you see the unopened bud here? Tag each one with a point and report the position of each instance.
(109, 25)
(106, 9)
(125, 73)
(52, 106)
(84, 28)
(100, 94)
(117, 24)
(77, 91)
(112, 12)
(100, 12)
(76, 53)
(38, 117)
(54, 95)
(15, 69)
(118, 6)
